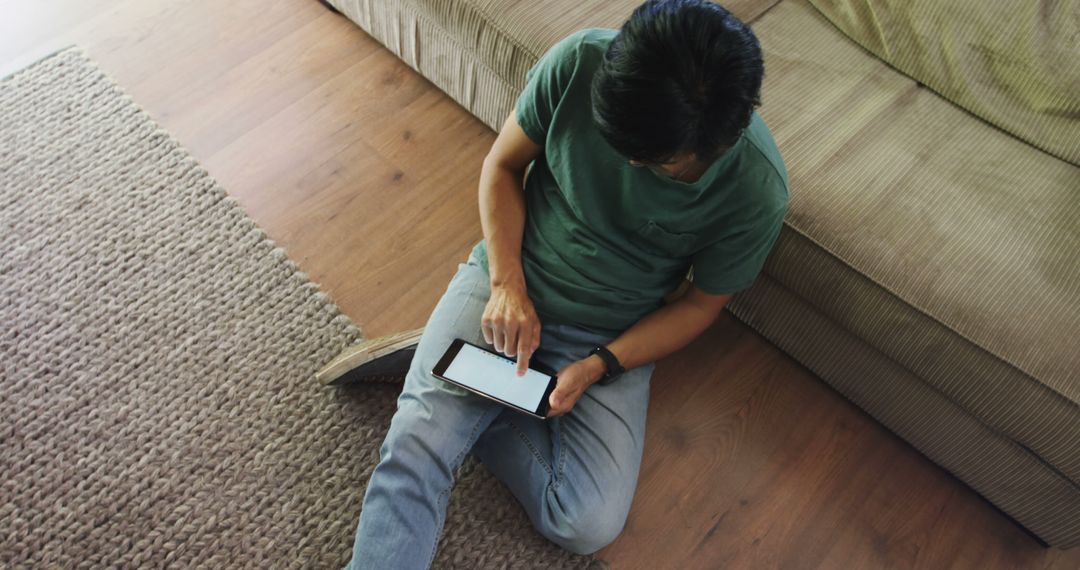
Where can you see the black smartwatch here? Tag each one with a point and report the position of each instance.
(612, 365)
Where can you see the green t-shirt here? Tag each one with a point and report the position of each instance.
(605, 241)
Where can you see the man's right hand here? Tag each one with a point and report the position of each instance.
(510, 323)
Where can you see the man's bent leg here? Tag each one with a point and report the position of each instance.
(575, 474)
(433, 428)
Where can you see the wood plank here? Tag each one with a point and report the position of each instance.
(751, 461)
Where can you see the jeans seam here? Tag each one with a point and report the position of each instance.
(468, 443)
(446, 492)
(561, 458)
(465, 305)
(532, 448)
(454, 322)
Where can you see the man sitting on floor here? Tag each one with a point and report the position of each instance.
(647, 159)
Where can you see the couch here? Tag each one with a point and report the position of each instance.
(928, 268)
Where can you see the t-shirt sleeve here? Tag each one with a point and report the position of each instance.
(545, 84)
(732, 264)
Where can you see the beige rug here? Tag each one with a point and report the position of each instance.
(158, 406)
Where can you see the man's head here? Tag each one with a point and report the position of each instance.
(679, 82)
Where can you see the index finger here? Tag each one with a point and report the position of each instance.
(524, 352)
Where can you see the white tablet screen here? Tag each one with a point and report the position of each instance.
(497, 376)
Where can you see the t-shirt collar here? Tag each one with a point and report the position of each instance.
(710, 173)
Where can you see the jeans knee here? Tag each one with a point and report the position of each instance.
(412, 447)
(587, 530)
(428, 435)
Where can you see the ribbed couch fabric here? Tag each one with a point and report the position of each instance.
(1014, 64)
(928, 267)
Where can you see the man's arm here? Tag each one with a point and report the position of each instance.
(667, 329)
(509, 322)
(655, 336)
(502, 203)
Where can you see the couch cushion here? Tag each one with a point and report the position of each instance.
(509, 36)
(478, 51)
(972, 233)
(1011, 63)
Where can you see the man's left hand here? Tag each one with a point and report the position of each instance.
(572, 381)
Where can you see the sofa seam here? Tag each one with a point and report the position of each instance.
(761, 14)
(484, 18)
(922, 311)
(996, 432)
(877, 350)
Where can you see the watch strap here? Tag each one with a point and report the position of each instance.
(613, 367)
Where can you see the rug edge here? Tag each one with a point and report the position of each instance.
(350, 328)
(55, 53)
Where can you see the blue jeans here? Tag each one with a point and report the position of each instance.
(574, 474)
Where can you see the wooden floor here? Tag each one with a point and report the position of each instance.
(367, 174)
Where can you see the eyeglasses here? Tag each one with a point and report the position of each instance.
(659, 171)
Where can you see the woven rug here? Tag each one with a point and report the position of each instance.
(158, 406)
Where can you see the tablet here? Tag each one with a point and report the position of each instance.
(494, 376)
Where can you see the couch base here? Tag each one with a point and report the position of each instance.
(1015, 480)
(439, 56)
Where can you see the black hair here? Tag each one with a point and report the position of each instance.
(681, 76)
